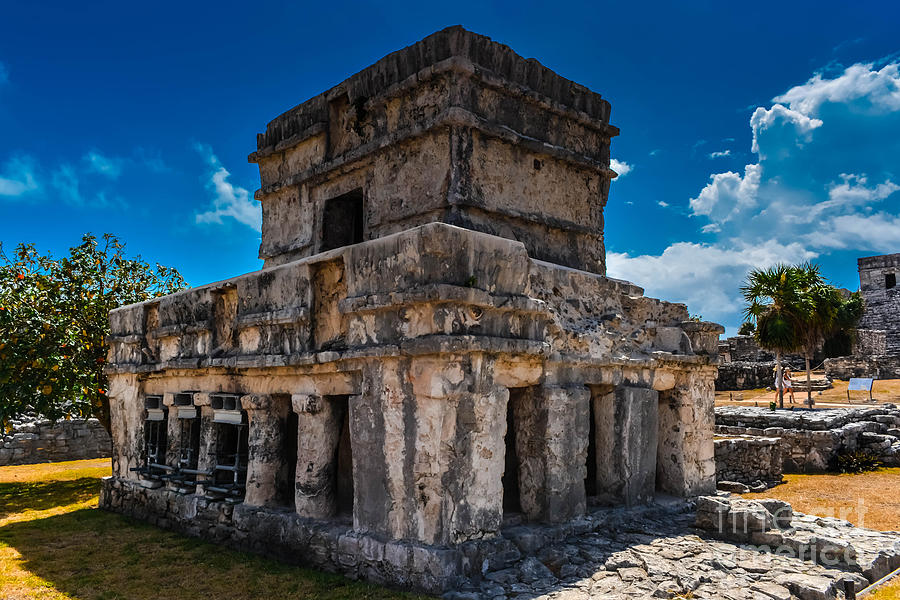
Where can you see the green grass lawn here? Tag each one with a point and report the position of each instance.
(55, 544)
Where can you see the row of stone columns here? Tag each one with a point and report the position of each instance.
(311, 482)
(431, 466)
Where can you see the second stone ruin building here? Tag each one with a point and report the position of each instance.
(876, 348)
(432, 348)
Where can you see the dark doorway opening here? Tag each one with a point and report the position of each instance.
(890, 280)
(512, 502)
(590, 481)
(342, 220)
(344, 459)
(285, 486)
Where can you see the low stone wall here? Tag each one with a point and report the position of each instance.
(749, 460)
(879, 367)
(745, 375)
(35, 441)
(810, 441)
(328, 545)
(638, 552)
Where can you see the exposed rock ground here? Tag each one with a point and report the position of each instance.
(723, 548)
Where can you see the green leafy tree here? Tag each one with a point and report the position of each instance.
(747, 328)
(54, 320)
(850, 311)
(777, 306)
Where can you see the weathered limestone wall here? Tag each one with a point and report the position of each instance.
(869, 342)
(39, 440)
(811, 441)
(749, 459)
(878, 277)
(745, 375)
(331, 546)
(877, 367)
(456, 129)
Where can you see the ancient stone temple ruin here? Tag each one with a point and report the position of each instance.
(879, 329)
(876, 348)
(432, 348)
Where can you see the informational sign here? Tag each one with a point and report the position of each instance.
(860, 384)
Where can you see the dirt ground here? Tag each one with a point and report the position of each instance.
(883, 391)
(865, 499)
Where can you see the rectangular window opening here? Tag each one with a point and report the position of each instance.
(344, 459)
(185, 470)
(155, 439)
(229, 470)
(511, 494)
(342, 220)
(890, 280)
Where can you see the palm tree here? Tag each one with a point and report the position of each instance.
(776, 303)
(820, 305)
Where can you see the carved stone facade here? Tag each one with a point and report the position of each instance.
(418, 360)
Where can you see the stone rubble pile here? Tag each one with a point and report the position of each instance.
(34, 440)
(725, 549)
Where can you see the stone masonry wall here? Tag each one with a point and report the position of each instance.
(878, 283)
(749, 459)
(745, 375)
(35, 441)
(879, 367)
(870, 342)
(331, 546)
(811, 441)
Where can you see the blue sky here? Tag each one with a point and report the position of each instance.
(750, 133)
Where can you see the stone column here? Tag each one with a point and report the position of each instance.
(444, 421)
(127, 420)
(687, 465)
(267, 416)
(318, 433)
(206, 457)
(626, 423)
(563, 448)
(173, 432)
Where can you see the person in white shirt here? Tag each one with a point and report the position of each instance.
(786, 382)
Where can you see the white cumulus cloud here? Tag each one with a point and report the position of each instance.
(727, 194)
(229, 200)
(619, 166)
(705, 276)
(825, 179)
(879, 90)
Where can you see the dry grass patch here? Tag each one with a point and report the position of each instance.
(866, 500)
(54, 545)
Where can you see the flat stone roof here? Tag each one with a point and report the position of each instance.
(488, 57)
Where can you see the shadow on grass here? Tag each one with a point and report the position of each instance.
(43, 495)
(90, 554)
